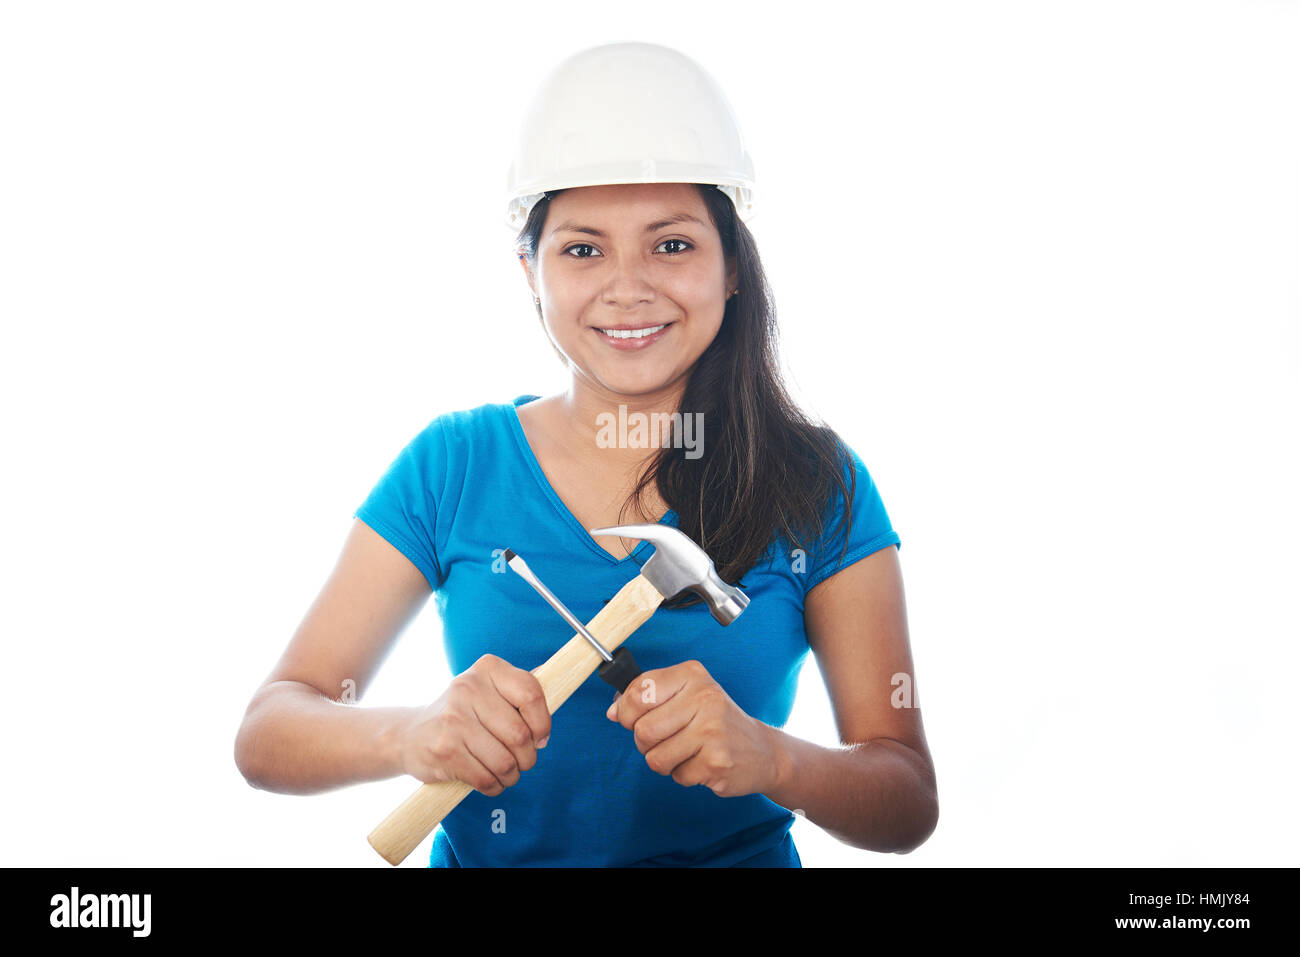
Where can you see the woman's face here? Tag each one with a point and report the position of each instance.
(633, 282)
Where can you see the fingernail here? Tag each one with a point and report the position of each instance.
(542, 743)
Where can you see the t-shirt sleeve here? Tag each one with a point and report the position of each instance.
(871, 528)
(403, 505)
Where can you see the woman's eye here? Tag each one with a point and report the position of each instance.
(587, 251)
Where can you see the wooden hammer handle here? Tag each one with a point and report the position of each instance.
(417, 816)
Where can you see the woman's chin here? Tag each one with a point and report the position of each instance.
(635, 382)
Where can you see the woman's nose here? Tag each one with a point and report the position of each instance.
(628, 288)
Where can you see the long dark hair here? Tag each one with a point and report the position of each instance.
(766, 468)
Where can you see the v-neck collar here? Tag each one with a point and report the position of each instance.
(534, 466)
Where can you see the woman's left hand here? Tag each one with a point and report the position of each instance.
(688, 727)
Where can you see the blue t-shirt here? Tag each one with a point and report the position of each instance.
(468, 487)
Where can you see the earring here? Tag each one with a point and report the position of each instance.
(537, 299)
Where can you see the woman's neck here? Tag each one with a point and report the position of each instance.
(611, 430)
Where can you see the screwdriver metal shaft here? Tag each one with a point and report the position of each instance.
(526, 573)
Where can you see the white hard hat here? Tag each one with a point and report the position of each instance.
(628, 113)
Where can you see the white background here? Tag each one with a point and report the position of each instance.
(1038, 262)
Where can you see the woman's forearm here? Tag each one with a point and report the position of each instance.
(295, 740)
(879, 795)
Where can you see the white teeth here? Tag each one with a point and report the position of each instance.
(633, 333)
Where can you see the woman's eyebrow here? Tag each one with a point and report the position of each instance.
(574, 227)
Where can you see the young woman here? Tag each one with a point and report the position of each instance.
(650, 288)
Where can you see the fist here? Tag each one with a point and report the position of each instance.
(687, 727)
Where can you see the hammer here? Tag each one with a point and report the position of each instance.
(677, 565)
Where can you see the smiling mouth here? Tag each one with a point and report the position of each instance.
(636, 333)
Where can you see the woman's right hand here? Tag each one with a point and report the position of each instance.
(485, 729)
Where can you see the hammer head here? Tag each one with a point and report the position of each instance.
(678, 564)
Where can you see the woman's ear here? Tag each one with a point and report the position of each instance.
(528, 273)
(732, 274)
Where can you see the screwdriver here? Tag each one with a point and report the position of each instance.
(620, 668)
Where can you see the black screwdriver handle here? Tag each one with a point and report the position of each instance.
(620, 672)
